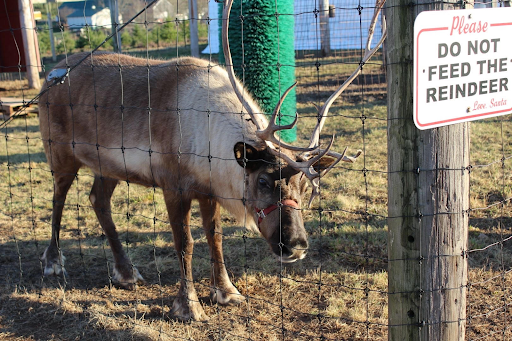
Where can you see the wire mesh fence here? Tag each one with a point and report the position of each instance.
(339, 291)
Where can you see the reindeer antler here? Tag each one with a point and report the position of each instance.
(229, 64)
(368, 54)
(267, 133)
(313, 152)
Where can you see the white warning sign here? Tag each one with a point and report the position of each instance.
(462, 66)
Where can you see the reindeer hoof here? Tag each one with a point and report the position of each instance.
(53, 263)
(229, 296)
(186, 310)
(127, 277)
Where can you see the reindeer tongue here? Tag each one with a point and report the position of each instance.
(291, 203)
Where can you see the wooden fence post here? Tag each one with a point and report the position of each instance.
(325, 31)
(50, 31)
(30, 44)
(114, 17)
(194, 38)
(428, 201)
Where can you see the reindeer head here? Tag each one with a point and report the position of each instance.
(277, 175)
(275, 190)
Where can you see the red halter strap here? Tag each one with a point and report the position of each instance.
(262, 213)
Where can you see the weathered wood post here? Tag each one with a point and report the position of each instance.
(428, 195)
(50, 31)
(325, 31)
(194, 38)
(30, 44)
(114, 17)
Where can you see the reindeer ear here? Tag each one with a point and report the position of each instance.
(247, 156)
(324, 163)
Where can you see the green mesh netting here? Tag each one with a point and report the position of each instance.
(268, 46)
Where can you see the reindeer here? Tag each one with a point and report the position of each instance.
(192, 130)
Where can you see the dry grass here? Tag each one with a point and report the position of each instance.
(337, 293)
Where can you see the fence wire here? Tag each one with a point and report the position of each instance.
(338, 292)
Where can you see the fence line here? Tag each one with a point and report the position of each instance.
(336, 292)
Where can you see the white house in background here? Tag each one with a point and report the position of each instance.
(77, 14)
(162, 10)
(94, 18)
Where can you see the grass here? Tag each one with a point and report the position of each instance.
(339, 292)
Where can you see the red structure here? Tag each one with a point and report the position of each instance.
(12, 55)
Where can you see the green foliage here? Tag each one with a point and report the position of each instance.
(43, 37)
(97, 37)
(82, 42)
(162, 34)
(183, 31)
(202, 29)
(167, 32)
(65, 42)
(93, 38)
(126, 39)
(139, 36)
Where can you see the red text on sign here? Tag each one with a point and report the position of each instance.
(460, 26)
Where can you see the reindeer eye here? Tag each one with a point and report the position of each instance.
(263, 183)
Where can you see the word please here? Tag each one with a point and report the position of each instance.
(447, 92)
(459, 26)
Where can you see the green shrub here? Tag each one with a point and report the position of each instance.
(184, 31)
(82, 42)
(168, 32)
(126, 39)
(65, 42)
(97, 37)
(93, 38)
(139, 36)
(202, 29)
(43, 37)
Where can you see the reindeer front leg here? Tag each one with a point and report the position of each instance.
(222, 291)
(124, 274)
(52, 258)
(186, 305)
